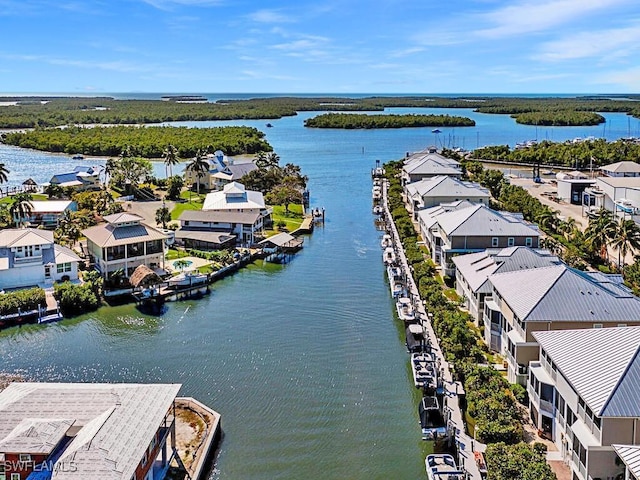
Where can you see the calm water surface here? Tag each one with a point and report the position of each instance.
(304, 361)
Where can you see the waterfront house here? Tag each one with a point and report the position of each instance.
(47, 213)
(433, 191)
(473, 271)
(221, 170)
(234, 197)
(551, 298)
(426, 164)
(66, 431)
(29, 257)
(621, 169)
(124, 242)
(213, 229)
(80, 178)
(473, 229)
(584, 395)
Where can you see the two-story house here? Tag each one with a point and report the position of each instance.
(234, 197)
(124, 242)
(551, 298)
(80, 178)
(473, 271)
(221, 170)
(28, 257)
(584, 395)
(430, 192)
(65, 431)
(47, 213)
(214, 229)
(473, 229)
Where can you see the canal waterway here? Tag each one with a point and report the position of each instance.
(304, 361)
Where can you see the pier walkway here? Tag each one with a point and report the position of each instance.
(465, 445)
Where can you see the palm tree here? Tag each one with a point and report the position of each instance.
(21, 207)
(170, 156)
(199, 166)
(267, 161)
(548, 219)
(568, 228)
(109, 167)
(601, 229)
(627, 239)
(4, 173)
(163, 216)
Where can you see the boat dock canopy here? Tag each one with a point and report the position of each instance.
(282, 240)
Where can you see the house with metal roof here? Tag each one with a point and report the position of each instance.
(427, 164)
(551, 298)
(49, 212)
(29, 257)
(80, 178)
(222, 170)
(473, 271)
(213, 229)
(473, 229)
(124, 242)
(621, 169)
(584, 394)
(433, 191)
(73, 431)
(620, 195)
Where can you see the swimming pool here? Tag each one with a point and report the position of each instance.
(180, 264)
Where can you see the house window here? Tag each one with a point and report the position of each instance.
(511, 241)
(528, 241)
(597, 325)
(622, 324)
(63, 267)
(25, 457)
(15, 476)
(494, 241)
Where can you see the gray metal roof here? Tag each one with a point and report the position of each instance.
(118, 422)
(481, 221)
(430, 167)
(625, 166)
(425, 154)
(601, 364)
(205, 236)
(475, 268)
(630, 455)
(218, 216)
(429, 216)
(446, 186)
(110, 235)
(561, 293)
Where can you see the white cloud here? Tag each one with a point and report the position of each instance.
(270, 16)
(611, 43)
(168, 4)
(118, 66)
(529, 16)
(624, 80)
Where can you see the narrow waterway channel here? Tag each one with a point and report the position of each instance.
(305, 361)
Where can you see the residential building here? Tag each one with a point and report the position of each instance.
(551, 298)
(473, 271)
(80, 178)
(433, 191)
(222, 170)
(215, 228)
(124, 242)
(48, 213)
(234, 197)
(67, 431)
(427, 164)
(473, 229)
(29, 257)
(583, 395)
(621, 169)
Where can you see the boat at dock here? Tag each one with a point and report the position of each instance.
(432, 421)
(405, 310)
(389, 256)
(415, 339)
(396, 280)
(187, 279)
(425, 374)
(442, 466)
(378, 210)
(386, 241)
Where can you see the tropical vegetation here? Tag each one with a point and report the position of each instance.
(518, 462)
(22, 300)
(356, 120)
(76, 299)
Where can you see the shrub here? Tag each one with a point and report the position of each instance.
(75, 299)
(22, 300)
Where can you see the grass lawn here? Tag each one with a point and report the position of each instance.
(293, 218)
(174, 254)
(34, 196)
(194, 204)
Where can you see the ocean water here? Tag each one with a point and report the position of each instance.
(304, 361)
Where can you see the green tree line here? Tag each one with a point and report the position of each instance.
(146, 142)
(355, 120)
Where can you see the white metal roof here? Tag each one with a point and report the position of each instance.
(601, 364)
(234, 197)
(630, 455)
(118, 422)
(64, 254)
(50, 206)
(446, 186)
(21, 237)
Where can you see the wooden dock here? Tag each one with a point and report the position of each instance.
(465, 445)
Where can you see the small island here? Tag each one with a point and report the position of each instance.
(559, 118)
(353, 121)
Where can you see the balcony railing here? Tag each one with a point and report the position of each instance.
(27, 260)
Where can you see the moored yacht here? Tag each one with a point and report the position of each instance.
(389, 256)
(442, 466)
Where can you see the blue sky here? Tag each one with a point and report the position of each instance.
(342, 46)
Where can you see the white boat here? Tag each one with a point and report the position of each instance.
(405, 310)
(378, 210)
(624, 205)
(386, 241)
(376, 195)
(389, 256)
(432, 421)
(442, 466)
(396, 280)
(425, 373)
(187, 279)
